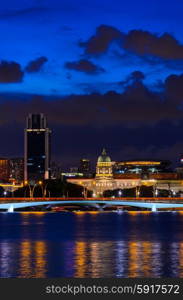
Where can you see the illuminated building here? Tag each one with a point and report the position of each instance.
(72, 174)
(17, 169)
(85, 167)
(4, 170)
(179, 169)
(74, 170)
(55, 171)
(142, 167)
(104, 166)
(112, 175)
(37, 148)
(103, 179)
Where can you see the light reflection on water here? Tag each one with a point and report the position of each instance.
(43, 245)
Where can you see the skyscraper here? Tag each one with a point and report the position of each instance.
(37, 148)
(85, 167)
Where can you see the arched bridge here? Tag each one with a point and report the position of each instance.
(153, 205)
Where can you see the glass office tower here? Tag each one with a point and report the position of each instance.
(37, 148)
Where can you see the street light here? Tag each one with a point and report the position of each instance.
(174, 193)
(40, 183)
(137, 191)
(26, 183)
(45, 190)
(84, 193)
(33, 187)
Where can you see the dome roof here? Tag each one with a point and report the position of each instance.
(104, 157)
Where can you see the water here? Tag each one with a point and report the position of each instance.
(103, 244)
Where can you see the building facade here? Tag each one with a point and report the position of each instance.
(17, 169)
(112, 175)
(4, 170)
(37, 148)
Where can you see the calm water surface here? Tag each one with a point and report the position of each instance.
(104, 244)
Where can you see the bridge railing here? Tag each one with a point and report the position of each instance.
(128, 199)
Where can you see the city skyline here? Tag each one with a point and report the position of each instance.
(113, 82)
(91, 152)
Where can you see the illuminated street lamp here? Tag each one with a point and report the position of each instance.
(174, 193)
(120, 193)
(137, 191)
(26, 183)
(40, 183)
(45, 190)
(84, 193)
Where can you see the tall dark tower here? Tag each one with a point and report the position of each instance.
(37, 148)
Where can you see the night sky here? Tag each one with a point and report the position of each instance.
(106, 73)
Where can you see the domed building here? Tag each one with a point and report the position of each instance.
(111, 175)
(104, 166)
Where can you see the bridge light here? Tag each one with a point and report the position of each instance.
(40, 182)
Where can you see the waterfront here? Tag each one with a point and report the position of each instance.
(91, 244)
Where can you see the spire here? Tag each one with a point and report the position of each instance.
(104, 152)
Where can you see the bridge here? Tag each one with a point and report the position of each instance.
(10, 204)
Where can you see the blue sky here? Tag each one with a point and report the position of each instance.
(32, 29)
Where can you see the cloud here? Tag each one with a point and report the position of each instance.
(136, 106)
(10, 72)
(100, 42)
(150, 46)
(36, 65)
(135, 76)
(137, 123)
(85, 66)
(145, 43)
(174, 89)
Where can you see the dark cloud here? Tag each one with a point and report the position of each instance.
(138, 123)
(85, 66)
(36, 65)
(145, 43)
(10, 72)
(135, 76)
(174, 89)
(136, 106)
(154, 48)
(101, 41)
